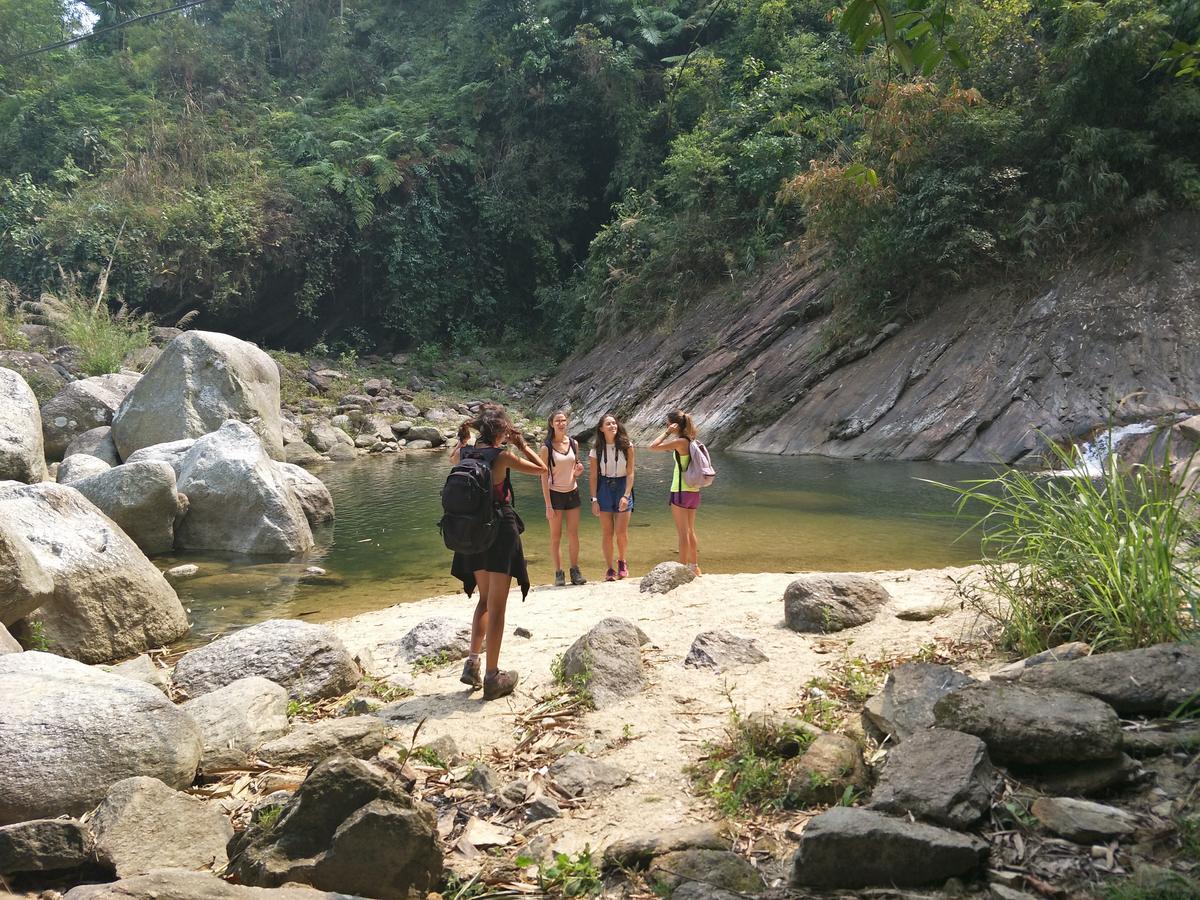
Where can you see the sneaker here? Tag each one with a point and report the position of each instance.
(471, 674)
(610, 575)
(499, 684)
(560, 580)
(622, 569)
(577, 576)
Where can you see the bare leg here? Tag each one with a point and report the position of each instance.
(622, 534)
(693, 541)
(573, 536)
(679, 514)
(556, 521)
(606, 537)
(479, 621)
(497, 604)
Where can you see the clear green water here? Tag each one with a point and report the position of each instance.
(763, 514)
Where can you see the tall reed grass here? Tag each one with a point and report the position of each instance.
(103, 337)
(1074, 557)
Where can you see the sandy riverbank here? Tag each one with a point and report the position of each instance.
(682, 707)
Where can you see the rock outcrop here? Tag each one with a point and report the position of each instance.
(80, 407)
(22, 457)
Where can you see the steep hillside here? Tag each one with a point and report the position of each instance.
(1112, 336)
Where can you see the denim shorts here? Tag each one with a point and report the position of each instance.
(609, 492)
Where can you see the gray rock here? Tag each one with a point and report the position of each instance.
(828, 603)
(174, 884)
(343, 453)
(431, 638)
(142, 824)
(1072, 650)
(358, 736)
(541, 808)
(324, 437)
(81, 406)
(402, 428)
(25, 584)
(171, 452)
(424, 433)
(831, 765)
(22, 457)
(310, 492)
(109, 601)
(665, 577)
(722, 650)
(142, 668)
(79, 466)
(1031, 726)
(301, 454)
(483, 778)
(8, 644)
(347, 811)
(45, 845)
(201, 380)
(141, 498)
(418, 445)
(95, 442)
(307, 659)
(638, 851)
(1080, 778)
(581, 776)
(1155, 680)
(182, 573)
(607, 661)
(237, 718)
(240, 500)
(68, 732)
(1162, 737)
(857, 848)
(1082, 821)
(905, 704)
(721, 869)
(942, 776)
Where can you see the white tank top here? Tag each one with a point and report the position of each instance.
(613, 465)
(562, 470)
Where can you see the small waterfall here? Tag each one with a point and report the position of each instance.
(1094, 454)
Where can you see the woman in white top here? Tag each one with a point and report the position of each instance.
(560, 489)
(610, 476)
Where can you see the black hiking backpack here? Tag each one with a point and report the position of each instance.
(469, 508)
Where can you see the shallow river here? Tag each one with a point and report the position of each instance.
(763, 514)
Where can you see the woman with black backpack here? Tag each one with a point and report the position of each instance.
(560, 490)
(610, 476)
(497, 530)
(677, 438)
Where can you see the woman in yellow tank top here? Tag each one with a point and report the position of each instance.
(684, 500)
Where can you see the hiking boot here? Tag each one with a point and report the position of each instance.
(499, 684)
(577, 576)
(559, 579)
(622, 569)
(471, 674)
(610, 575)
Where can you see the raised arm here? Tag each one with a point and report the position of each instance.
(669, 440)
(524, 460)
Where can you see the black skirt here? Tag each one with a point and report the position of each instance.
(505, 556)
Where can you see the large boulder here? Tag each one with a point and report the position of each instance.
(201, 380)
(310, 492)
(607, 661)
(22, 457)
(172, 453)
(25, 584)
(1030, 726)
(239, 500)
(109, 601)
(95, 442)
(307, 659)
(324, 437)
(942, 776)
(346, 811)
(827, 603)
(45, 845)
(69, 731)
(142, 824)
(79, 466)
(81, 406)
(235, 719)
(141, 498)
(425, 433)
(1154, 680)
(905, 704)
(180, 884)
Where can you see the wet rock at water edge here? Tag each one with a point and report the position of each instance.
(301, 454)
(307, 659)
(311, 492)
(425, 433)
(607, 661)
(358, 736)
(81, 406)
(905, 704)
(1083, 821)
(69, 731)
(944, 777)
(142, 825)
(581, 776)
(141, 498)
(720, 650)
(46, 845)
(235, 719)
(182, 573)
(885, 852)
(21, 450)
(828, 603)
(665, 577)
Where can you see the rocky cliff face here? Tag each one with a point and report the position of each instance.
(1113, 337)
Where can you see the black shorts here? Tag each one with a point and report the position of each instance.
(565, 499)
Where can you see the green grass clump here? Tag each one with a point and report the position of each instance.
(1101, 559)
(103, 337)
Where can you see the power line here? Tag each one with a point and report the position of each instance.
(98, 32)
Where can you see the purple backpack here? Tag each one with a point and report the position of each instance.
(700, 472)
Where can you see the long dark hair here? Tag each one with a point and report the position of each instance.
(601, 443)
(491, 422)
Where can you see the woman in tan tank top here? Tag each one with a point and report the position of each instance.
(560, 489)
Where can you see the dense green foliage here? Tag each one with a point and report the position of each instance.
(387, 174)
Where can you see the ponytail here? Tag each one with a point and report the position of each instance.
(687, 427)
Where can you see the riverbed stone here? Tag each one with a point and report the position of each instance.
(202, 380)
(346, 811)
(79, 466)
(944, 777)
(905, 704)
(142, 668)
(858, 848)
(358, 736)
(69, 731)
(425, 433)
(831, 765)
(826, 603)
(607, 661)
(81, 406)
(430, 639)
(22, 456)
(307, 659)
(722, 869)
(8, 643)
(577, 775)
(1083, 821)
(142, 825)
(639, 850)
(95, 442)
(1152, 680)
(141, 498)
(45, 845)
(109, 601)
(665, 577)
(1030, 726)
(171, 452)
(720, 650)
(299, 453)
(237, 718)
(25, 584)
(240, 500)
(310, 492)
(324, 437)
(177, 884)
